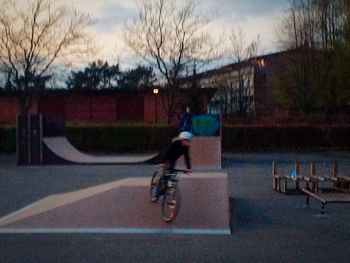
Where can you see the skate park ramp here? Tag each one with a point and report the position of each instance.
(60, 147)
(124, 206)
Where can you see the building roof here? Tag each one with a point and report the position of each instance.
(234, 66)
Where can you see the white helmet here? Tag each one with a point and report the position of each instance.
(185, 135)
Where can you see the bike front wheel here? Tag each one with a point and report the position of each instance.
(171, 204)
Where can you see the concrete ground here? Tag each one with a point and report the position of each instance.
(266, 226)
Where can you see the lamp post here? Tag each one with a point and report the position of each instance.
(155, 92)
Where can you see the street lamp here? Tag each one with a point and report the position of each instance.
(155, 92)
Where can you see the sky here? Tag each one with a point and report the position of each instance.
(256, 17)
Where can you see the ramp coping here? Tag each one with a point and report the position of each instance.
(188, 231)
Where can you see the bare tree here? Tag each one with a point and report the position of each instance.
(235, 82)
(170, 37)
(346, 31)
(314, 29)
(295, 85)
(244, 54)
(34, 35)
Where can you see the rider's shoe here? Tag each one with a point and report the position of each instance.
(171, 203)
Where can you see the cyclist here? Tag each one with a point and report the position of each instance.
(179, 147)
(185, 120)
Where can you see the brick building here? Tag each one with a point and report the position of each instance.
(116, 105)
(105, 106)
(256, 77)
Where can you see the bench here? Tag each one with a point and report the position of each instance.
(341, 183)
(280, 182)
(325, 198)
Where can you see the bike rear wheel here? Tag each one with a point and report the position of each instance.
(154, 187)
(171, 204)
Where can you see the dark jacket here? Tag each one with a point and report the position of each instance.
(185, 122)
(174, 152)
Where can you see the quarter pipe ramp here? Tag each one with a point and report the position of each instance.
(59, 149)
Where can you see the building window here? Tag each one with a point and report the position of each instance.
(261, 63)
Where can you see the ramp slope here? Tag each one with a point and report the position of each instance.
(124, 206)
(63, 149)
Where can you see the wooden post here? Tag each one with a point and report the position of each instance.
(335, 172)
(274, 179)
(297, 168)
(312, 169)
(22, 140)
(297, 171)
(314, 183)
(335, 168)
(35, 139)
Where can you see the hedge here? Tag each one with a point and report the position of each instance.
(147, 138)
(126, 138)
(257, 138)
(7, 139)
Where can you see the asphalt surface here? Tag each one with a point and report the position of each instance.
(266, 226)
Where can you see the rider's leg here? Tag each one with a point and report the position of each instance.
(171, 166)
(163, 168)
(162, 171)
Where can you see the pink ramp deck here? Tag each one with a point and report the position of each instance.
(205, 153)
(124, 207)
(62, 148)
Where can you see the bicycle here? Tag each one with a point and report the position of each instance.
(168, 189)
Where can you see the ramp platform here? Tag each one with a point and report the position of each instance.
(124, 207)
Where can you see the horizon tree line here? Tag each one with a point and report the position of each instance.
(100, 75)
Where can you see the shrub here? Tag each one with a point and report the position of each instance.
(257, 138)
(143, 138)
(7, 139)
(120, 138)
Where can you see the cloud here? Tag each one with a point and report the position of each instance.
(265, 27)
(244, 9)
(256, 17)
(107, 13)
(110, 16)
(114, 15)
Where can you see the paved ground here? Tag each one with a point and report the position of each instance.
(266, 226)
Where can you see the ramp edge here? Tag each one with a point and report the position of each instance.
(188, 231)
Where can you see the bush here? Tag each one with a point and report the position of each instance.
(120, 138)
(143, 138)
(7, 139)
(257, 138)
